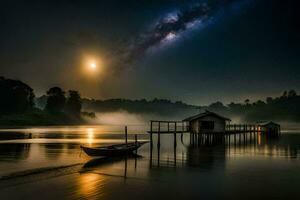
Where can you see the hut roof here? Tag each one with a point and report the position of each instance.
(206, 113)
(268, 123)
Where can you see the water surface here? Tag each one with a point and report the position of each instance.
(258, 167)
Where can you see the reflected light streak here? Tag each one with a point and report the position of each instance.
(90, 185)
(90, 136)
(259, 138)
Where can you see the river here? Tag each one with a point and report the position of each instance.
(50, 165)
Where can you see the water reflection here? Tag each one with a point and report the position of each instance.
(95, 174)
(206, 157)
(103, 161)
(203, 152)
(210, 151)
(90, 136)
(14, 151)
(54, 151)
(90, 185)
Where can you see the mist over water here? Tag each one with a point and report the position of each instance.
(121, 118)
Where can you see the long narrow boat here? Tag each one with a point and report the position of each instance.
(113, 150)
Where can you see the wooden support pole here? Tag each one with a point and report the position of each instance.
(158, 156)
(175, 142)
(151, 136)
(126, 135)
(175, 157)
(234, 139)
(158, 135)
(136, 142)
(151, 153)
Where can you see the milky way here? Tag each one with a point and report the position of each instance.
(173, 24)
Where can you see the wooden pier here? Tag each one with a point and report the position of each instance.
(242, 128)
(166, 127)
(209, 129)
(158, 127)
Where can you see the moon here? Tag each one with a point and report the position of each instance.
(93, 65)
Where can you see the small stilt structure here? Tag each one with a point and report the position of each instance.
(241, 133)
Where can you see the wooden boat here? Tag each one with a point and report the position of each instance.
(113, 150)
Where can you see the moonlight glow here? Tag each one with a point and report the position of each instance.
(93, 65)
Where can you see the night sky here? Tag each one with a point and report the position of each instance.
(195, 51)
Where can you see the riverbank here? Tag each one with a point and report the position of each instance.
(38, 117)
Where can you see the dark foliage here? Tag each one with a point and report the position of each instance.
(16, 96)
(56, 100)
(17, 105)
(283, 108)
(73, 104)
(155, 106)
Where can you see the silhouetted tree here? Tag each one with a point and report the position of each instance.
(217, 106)
(260, 103)
(284, 95)
(74, 104)
(269, 100)
(292, 93)
(16, 96)
(56, 100)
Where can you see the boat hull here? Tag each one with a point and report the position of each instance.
(113, 150)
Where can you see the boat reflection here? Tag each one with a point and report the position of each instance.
(104, 161)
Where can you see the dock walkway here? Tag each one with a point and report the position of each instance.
(160, 127)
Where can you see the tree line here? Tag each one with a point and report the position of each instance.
(282, 108)
(19, 98)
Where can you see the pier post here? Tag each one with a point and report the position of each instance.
(158, 156)
(126, 135)
(175, 138)
(158, 135)
(151, 136)
(151, 153)
(234, 139)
